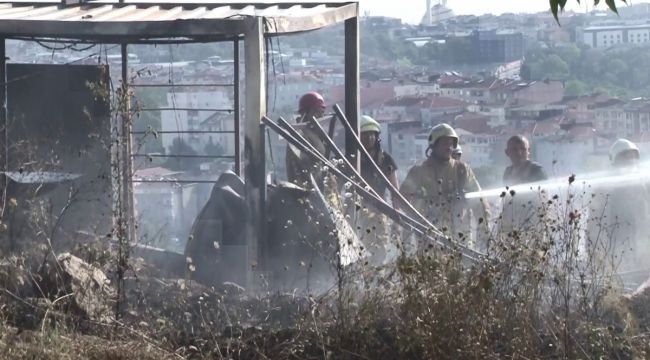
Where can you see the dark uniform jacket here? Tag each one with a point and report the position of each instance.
(527, 173)
(387, 166)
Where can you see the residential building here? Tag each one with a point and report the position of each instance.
(509, 71)
(407, 144)
(477, 138)
(417, 89)
(622, 119)
(575, 150)
(538, 92)
(197, 107)
(434, 107)
(373, 95)
(611, 35)
(497, 46)
(476, 91)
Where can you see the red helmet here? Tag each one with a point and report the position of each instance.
(311, 100)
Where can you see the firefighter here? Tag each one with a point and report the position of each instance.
(299, 165)
(618, 229)
(437, 186)
(372, 224)
(523, 170)
(370, 130)
(624, 154)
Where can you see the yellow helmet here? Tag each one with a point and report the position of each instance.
(440, 131)
(369, 124)
(620, 146)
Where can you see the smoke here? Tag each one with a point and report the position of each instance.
(607, 208)
(595, 180)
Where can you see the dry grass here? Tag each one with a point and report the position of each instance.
(537, 297)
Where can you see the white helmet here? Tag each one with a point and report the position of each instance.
(440, 131)
(369, 124)
(620, 146)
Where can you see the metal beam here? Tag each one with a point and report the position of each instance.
(183, 85)
(196, 132)
(125, 143)
(113, 25)
(4, 140)
(237, 106)
(120, 31)
(254, 154)
(334, 15)
(166, 156)
(352, 107)
(171, 4)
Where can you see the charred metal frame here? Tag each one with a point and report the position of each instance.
(252, 29)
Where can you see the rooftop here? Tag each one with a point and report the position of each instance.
(109, 20)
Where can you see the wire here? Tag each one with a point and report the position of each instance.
(66, 46)
(34, 74)
(173, 91)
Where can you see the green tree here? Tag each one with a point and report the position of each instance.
(570, 54)
(554, 67)
(558, 5)
(575, 88)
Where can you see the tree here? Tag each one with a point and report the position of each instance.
(554, 67)
(213, 149)
(148, 121)
(575, 88)
(557, 5)
(180, 147)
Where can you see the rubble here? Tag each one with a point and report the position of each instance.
(87, 286)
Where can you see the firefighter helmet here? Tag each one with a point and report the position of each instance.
(620, 146)
(440, 131)
(311, 100)
(369, 124)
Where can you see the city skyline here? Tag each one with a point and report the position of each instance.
(411, 11)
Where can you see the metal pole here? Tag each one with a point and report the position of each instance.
(4, 138)
(352, 86)
(293, 137)
(128, 210)
(254, 152)
(396, 196)
(237, 108)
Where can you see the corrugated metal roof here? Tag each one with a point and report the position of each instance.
(149, 19)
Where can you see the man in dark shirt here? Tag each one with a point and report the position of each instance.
(522, 170)
(521, 212)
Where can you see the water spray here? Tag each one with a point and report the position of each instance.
(611, 179)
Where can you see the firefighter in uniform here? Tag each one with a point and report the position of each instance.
(300, 165)
(374, 225)
(620, 213)
(370, 131)
(437, 186)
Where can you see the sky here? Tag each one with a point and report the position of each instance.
(411, 11)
